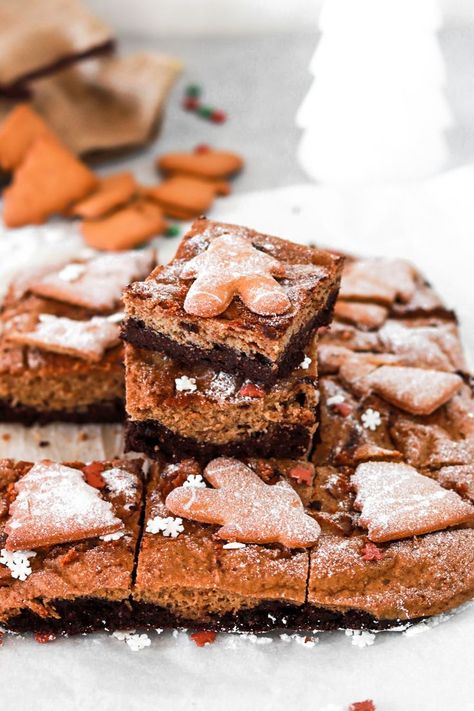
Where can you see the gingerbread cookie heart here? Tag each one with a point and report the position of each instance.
(247, 509)
(132, 225)
(184, 198)
(232, 266)
(49, 179)
(204, 163)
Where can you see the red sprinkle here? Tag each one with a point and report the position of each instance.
(44, 637)
(303, 474)
(202, 148)
(342, 408)
(204, 637)
(251, 390)
(190, 103)
(93, 474)
(371, 552)
(367, 705)
(218, 116)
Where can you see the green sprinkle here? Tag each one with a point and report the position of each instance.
(205, 111)
(193, 90)
(172, 231)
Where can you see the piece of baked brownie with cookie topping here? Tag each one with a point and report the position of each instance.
(257, 545)
(235, 300)
(60, 354)
(68, 534)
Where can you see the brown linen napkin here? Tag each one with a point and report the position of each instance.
(106, 105)
(40, 36)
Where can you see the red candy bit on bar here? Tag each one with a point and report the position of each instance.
(190, 103)
(342, 409)
(204, 637)
(372, 552)
(367, 705)
(218, 116)
(303, 473)
(93, 475)
(44, 637)
(251, 390)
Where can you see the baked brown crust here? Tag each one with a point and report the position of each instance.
(93, 568)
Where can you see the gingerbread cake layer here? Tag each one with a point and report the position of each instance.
(260, 348)
(78, 586)
(192, 411)
(40, 386)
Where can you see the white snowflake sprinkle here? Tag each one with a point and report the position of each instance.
(195, 481)
(185, 384)
(305, 363)
(112, 536)
(17, 562)
(361, 638)
(136, 642)
(371, 419)
(235, 545)
(72, 272)
(335, 400)
(168, 526)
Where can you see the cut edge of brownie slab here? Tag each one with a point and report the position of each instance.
(263, 348)
(81, 585)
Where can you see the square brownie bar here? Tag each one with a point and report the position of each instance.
(238, 341)
(44, 380)
(76, 586)
(190, 578)
(191, 411)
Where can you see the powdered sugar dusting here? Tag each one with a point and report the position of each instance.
(83, 339)
(248, 509)
(396, 501)
(55, 505)
(97, 283)
(415, 390)
(120, 483)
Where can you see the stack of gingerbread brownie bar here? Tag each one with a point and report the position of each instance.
(221, 346)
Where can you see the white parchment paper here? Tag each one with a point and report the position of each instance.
(427, 668)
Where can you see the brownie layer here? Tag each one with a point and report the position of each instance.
(105, 411)
(155, 440)
(77, 616)
(256, 368)
(268, 616)
(85, 615)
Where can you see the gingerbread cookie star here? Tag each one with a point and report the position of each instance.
(231, 266)
(247, 509)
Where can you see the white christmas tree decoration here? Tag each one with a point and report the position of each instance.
(376, 111)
